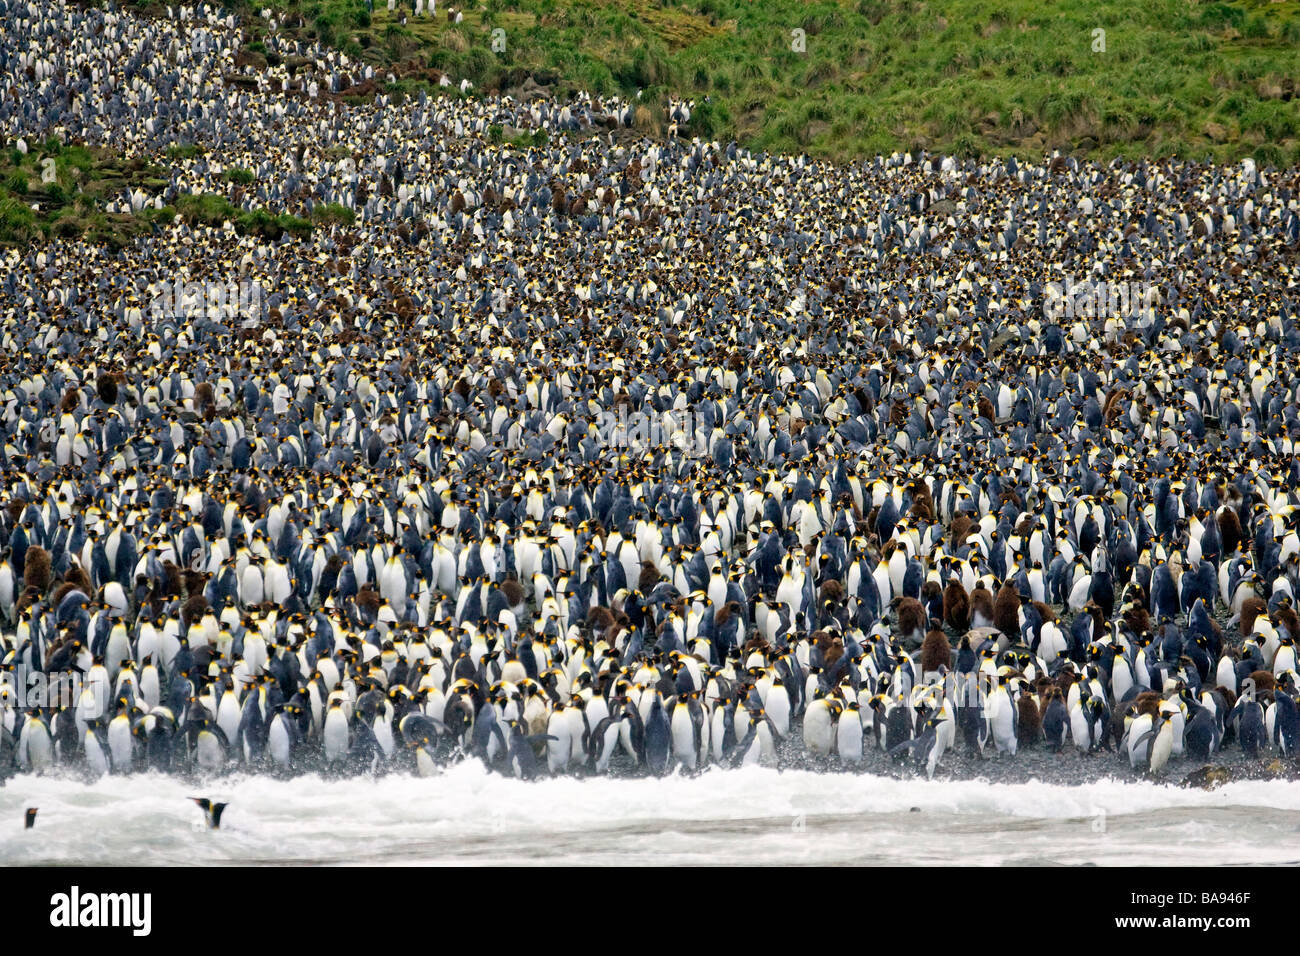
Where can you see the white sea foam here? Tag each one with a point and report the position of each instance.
(723, 816)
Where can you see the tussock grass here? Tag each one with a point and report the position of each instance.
(1201, 79)
(62, 189)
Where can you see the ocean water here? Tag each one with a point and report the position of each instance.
(721, 817)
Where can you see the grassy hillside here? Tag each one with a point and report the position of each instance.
(58, 190)
(61, 190)
(1177, 77)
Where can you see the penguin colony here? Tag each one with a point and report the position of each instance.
(377, 527)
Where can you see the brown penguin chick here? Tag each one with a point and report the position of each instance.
(1065, 679)
(195, 581)
(959, 530)
(831, 590)
(1047, 612)
(726, 613)
(932, 594)
(1136, 617)
(832, 650)
(956, 606)
(936, 652)
(1029, 729)
(1044, 687)
(912, 618)
(1006, 610)
(204, 396)
(1264, 681)
(333, 563)
(1026, 526)
(1114, 406)
(368, 600)
(1230, 530)
(15, 508)
(1098, 617)
(980, 604)
(194, 610)
(25, 600)
(513, 590)
(37, 571)
(1285, 616)
(922, 502)
(106, 387)
(1147, 702)
(1117, 720)
(599, 618)
(649, 577)
(174, 586)
(62, 591)
(1251, 608)
(71, 399)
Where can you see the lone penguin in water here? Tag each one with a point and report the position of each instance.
(211, 811)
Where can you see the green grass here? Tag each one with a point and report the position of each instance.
(182, 151)
(523, 140)
(17, 221)
(1196, 79)
(59, 190)
(62, 190)
(1193, 78)
(331, 214)
(211, 209)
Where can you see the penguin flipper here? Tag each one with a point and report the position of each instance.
(738, 755)
(905, 745)
(1149, 735)
(776, 734)
(597, 736)
(586, 730)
